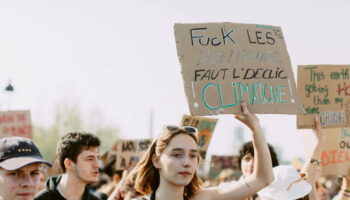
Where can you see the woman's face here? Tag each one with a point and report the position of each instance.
(179, 160)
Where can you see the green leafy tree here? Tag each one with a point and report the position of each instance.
(68, 118)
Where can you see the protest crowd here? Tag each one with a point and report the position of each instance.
(169, 166)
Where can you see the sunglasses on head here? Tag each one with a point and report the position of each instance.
(187, 129)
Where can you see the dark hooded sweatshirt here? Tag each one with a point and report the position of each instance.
(51, 192)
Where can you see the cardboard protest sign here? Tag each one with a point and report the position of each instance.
(219, 163)
(335, 158)
(205, 127)
(129, 152)
(225, 63)
(324, 90)
(16, 123)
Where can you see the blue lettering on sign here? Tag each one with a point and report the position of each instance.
(256, 93)
(328, 118)
(204, 97)
(345, 133)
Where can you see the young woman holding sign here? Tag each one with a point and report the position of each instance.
(168, 168)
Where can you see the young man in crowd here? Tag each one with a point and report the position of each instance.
(310, 170)
(20, 162)
(78, 156)
(246, 158)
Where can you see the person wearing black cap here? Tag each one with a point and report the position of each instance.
(20, 162)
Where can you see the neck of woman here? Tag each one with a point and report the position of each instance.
(169, 191)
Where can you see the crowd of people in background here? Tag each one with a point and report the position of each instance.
(167, 170)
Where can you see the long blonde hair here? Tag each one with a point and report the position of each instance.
(147, 179)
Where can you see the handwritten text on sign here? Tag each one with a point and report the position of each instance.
(129, 152)
(15, 123)
(335, 158)
(324, 90)
(225, 63)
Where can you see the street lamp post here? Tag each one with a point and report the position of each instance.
(9, 91)
(9, 87)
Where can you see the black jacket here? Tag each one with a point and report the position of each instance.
(51, 192)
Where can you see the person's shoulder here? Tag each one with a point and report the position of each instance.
(142, 198)
(92, 195)
(49, 192)
(99, 196)
(43, 194)
(206, 193)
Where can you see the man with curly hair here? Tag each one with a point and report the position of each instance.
(78, 157)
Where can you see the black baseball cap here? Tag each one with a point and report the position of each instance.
(17, 152)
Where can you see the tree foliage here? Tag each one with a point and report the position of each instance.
(68, 118)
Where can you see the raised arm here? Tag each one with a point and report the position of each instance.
(311, 166)
(262, 173)
(116, 194)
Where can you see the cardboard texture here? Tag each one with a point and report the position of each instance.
(335, 158)
(205, 127)
(16, 123)
(129, 152)
(224, 63)
(324, 90)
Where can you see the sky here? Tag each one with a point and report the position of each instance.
(117, 59)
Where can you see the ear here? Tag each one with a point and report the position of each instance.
(155, 161)
(68, 163)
